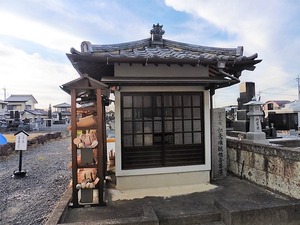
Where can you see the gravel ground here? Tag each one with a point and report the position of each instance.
(30, 200)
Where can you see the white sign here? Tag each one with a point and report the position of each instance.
(21, 140)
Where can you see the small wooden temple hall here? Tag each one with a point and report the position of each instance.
(163, 101)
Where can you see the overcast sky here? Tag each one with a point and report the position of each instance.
(36, 34)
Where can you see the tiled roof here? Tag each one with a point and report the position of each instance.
(168, 52)
(97, 61)
(20, 98)
(37, 112)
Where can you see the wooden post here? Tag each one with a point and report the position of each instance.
(100, 154)
(104, 141)
(74, 147)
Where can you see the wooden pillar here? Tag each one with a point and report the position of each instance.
(74, 147)
(100, 154)
(104, 142)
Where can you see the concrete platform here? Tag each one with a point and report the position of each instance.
(232, 202)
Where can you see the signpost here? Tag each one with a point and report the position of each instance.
(21, 145)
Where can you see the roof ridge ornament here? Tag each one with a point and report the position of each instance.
(156, 34)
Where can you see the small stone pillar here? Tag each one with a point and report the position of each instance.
(219, 150)
(255, 133)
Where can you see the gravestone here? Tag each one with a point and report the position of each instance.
(241, 123)
(219, 150)
(247, 92)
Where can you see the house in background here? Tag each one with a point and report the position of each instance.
(17, 104)
(3, 110)
(62, 113)
(274, 105)
(163, 101)
(36, 114)
(281, 114)
(286, 117)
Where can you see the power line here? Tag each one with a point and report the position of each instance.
(270, 93)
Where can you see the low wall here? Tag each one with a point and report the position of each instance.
(274, 167)
(9, 148)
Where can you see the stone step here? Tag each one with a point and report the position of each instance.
(207, 218)
(249, 213)
(212, 223)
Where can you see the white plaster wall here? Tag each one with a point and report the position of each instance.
(138, 70)
(188, 170)
(20, 106)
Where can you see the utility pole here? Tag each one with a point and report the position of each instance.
(259, 95)
(298, 79)
(4, 93)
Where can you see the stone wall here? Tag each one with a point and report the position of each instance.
(274, 167)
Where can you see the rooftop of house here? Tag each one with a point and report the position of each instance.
(62, 105)
(37, 112)
(20, 98)
(278, 102)
(225, 64)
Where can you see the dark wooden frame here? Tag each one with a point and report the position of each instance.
(164, 153)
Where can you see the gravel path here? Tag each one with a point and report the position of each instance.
(31, 199)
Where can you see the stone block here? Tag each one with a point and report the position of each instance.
(254, 175)
(232, 155)
(259, 137)
(289, 169)
(260, 177)
(246, 158)
(292, 170)
(275, 166)
(294, 189)
(278, 183)
(233, 167)
(259, 162)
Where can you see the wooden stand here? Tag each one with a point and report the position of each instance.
(89, 91)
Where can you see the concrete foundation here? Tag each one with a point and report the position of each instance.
(162, 180)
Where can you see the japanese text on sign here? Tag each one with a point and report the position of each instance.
(21, 142)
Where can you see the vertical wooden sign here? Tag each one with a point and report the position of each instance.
(21, 140)
(21, 145)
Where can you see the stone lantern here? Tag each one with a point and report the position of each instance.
(255, 132)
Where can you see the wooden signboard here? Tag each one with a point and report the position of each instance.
(20, 144)
(21, 140)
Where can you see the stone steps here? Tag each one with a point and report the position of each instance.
(202, 218)
(212, 223)
(255, 214)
